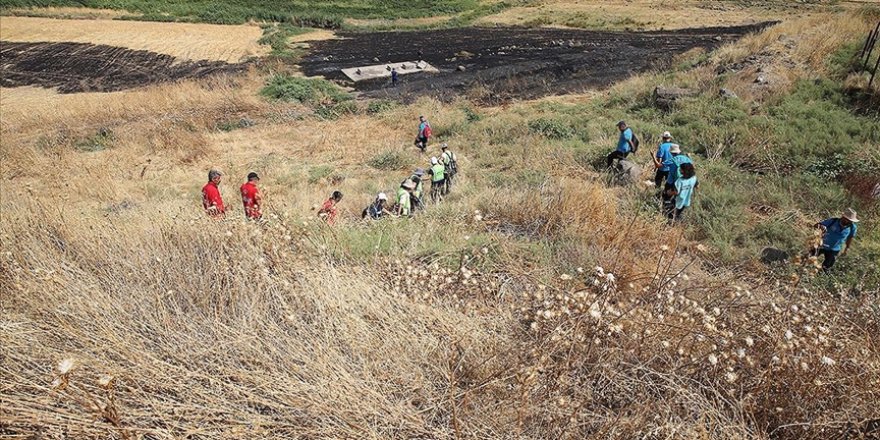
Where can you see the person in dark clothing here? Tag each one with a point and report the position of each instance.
(394, 77)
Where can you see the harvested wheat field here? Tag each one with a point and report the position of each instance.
(185, 41)
(545, 297)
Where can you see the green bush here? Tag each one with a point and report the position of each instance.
(552, 128)
(314, 91)
(100, 141)
(380, 106)
(389, 161)
(319, 172)
(334, 111)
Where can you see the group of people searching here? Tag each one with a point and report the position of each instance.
(676, 180)
(408, 199)
(675, 177)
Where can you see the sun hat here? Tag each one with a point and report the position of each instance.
(444, 146)
(850, 214)
(382, 196)
(675, 149)
(409, 184)
(433, 161)
(667, 135)
(419, 172)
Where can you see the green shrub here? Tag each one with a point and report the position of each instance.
(380, 106)
(552, 128)
(314, 91)
(100, 141)
(319, 172)
(334, 111)
(389, 161)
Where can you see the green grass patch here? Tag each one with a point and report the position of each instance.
(390, 161)
(313, 91)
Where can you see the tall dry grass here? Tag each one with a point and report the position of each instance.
(128, 314)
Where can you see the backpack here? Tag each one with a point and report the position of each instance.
(635, 143)
(452, 168)
(427, 133)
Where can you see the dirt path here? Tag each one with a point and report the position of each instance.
(81, 67)
(507, 63)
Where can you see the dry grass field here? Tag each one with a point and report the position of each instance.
(188, 41)
(652, 14)
(536, 302)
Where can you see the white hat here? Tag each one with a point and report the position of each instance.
(433, 161)
(667, 135)
(382, 196)
(409, 184)
(675, 149)
(850, 214)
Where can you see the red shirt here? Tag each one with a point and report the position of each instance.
(211, 197)
(330, 208)
(250, 196)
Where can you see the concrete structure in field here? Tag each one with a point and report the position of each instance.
(384, 70)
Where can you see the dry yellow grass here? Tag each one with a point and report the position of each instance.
(177, 326)
(646, 14)
(189, 41)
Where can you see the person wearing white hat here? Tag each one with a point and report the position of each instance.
(837, 233)
(378, 208)
(663, 160)
(404, 199)
(438, 180)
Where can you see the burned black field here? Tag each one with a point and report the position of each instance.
(499, 64)
(82, 67)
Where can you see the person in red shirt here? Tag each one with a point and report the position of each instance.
(211, 199)
(328, 209)
(251, 197)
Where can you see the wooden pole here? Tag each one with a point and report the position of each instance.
(867, 43)
(876, 65)
(872, 41)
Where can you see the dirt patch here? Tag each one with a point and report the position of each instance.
(80, 67)
(507, 63)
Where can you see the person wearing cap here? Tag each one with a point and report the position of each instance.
(624, 144)
(378, 208)
(683, 192)
(438, 180)
(251, 197)
(416, 195)
(404, 198)
(211, 199)
(678, 158)
(424, 133)
(837, 233)
(328, 209)
(663, 160)
(450, 165)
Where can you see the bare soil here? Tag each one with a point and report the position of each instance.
(83, 67)
(506, 63)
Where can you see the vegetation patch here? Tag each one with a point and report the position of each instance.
(314, 91)
(389, 161)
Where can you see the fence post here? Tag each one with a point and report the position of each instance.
(867, 42)
(876, 65)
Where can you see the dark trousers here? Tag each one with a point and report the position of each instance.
(830, 257)
(615, 155)
(422, 142)
(672, 213)
(660, 178)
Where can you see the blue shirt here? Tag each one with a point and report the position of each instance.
(623, 142)
(422, 128)
(835, 234)
(685, 190)
(665, 156)
(677, 161)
